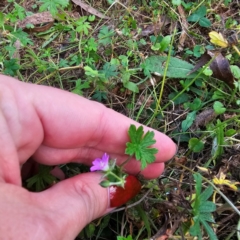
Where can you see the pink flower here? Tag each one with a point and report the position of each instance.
(100, 163)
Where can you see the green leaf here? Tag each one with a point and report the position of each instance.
(196, 104)
(196, 16)
(80, 86)
(195, 229)
(105, 35)
(144, 217)
(22, 37)
(204, 22)
(131, 86)
(187, 123)
(198, 186)
(177, 68)
(176, 2)
(207, 206)
(206, 216)
(218, 107)
(209, 230)
(184, 97)
(99, 96)
(205, 195)
(230, 132)
(10, 67)
(139, 145)
(236, 71)
(90, 228)
(129, 237)
(109, 70)
(1, 19)
(53, 5)
(196, 145)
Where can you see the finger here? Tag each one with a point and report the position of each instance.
(83, 155)
(70, 121)
(10, 169)
(86, 156)
(74, 202)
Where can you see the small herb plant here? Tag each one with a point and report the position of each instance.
(126, 186)
(202, 210)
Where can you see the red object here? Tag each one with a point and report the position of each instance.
(119, 195)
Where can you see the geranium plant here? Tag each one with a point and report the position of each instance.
(119, 182)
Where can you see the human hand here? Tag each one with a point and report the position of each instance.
(57, 127)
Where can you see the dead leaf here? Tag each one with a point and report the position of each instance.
(184, 24)
(204, 59)
(90, 9)
(181, 160)
(16, 53)
(220, 66)
(204, 117)
(155, 28)
(38, 19)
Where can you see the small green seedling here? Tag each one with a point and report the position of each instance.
(202, 210)
(199, 16)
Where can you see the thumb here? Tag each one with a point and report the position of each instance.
(74, 203)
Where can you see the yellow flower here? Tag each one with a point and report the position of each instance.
(218, 39)
(222, 181)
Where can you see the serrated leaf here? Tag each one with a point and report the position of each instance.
(207, 206)
(209, 230)
(198, 186)
(139, 145)
(177, 68)
(206, 194)
(53, 5)
(206, 217)
(109, 70)
(195, 229)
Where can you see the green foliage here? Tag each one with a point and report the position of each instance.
(202, 210)
(129, 237)
(176, 2)
(99, 96)
(80, 86)
(187, 123)
(42, 179)
(10, 67)
(195, 145)
(53, 5)
(22, 37)
(1, 20)
(219, 108)
(83, 25)
(139, 145)
(177, 68)
(105, 35)
(163, 45)
(218, 140)
(18, 13)
(109, 70)
(199, 16)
